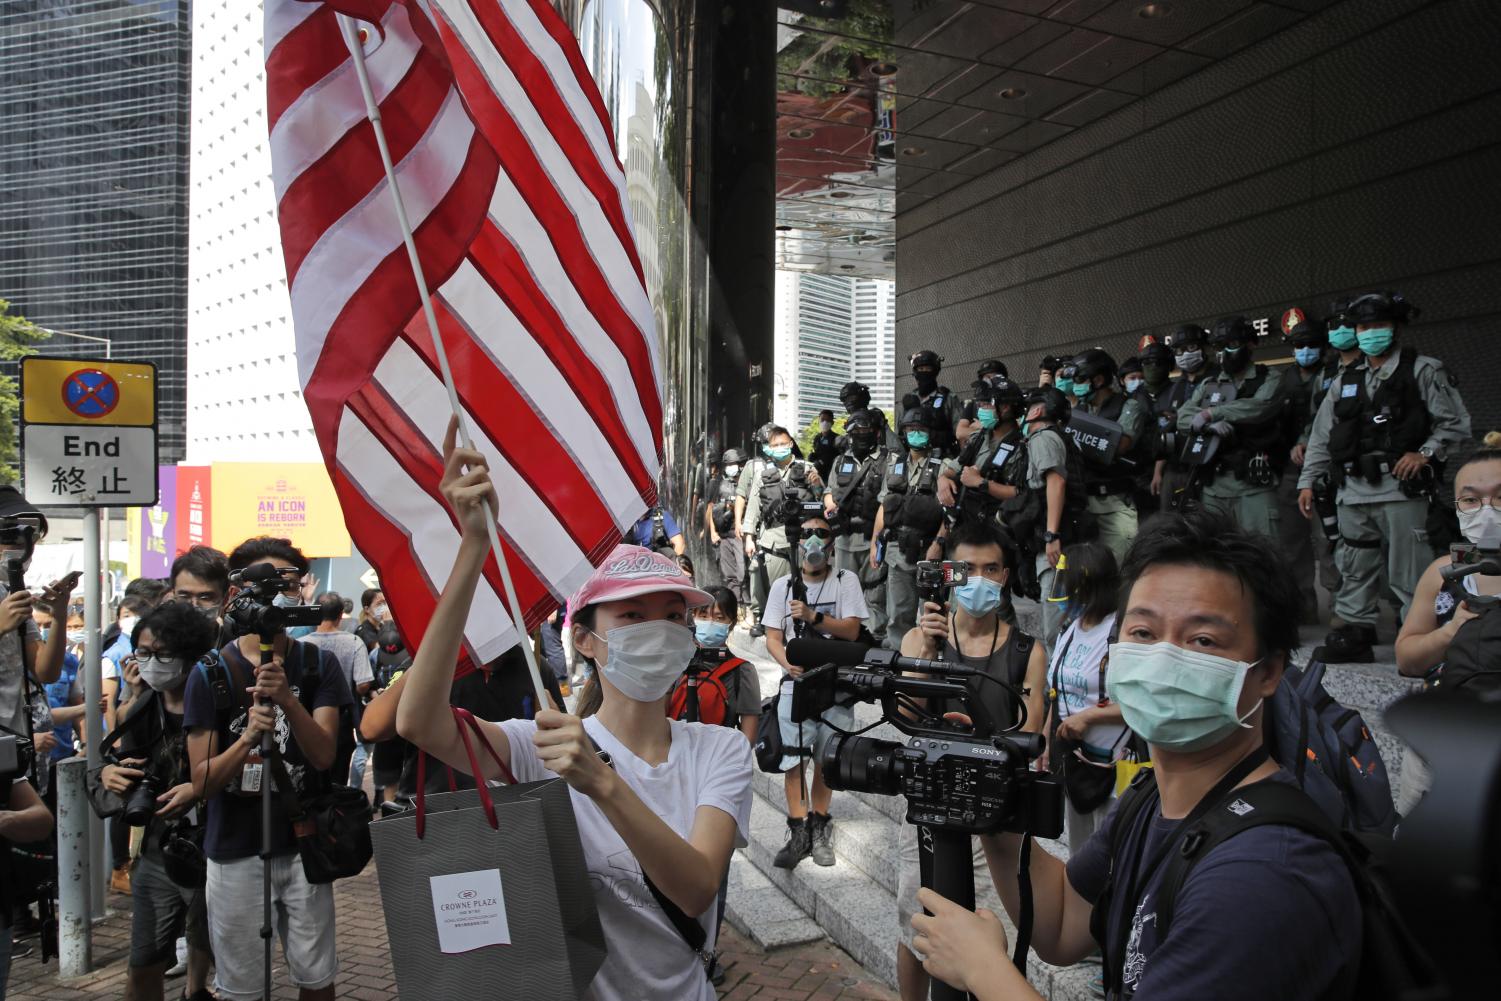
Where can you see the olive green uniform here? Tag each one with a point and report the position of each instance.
(1252, 505)
(1115, 513)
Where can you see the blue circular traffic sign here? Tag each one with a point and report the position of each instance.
(91, 393)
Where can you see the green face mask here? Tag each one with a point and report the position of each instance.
(1065, 386)
(917, 440)
(1177, 699)
(1342, 338)
(987, 417)
(781, 453)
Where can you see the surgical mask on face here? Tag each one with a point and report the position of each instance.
(1132, 384)
(815, 554)
(711, 633)
(732, 471)
(163, 675)
(1177, 699)
(128, 624)
(1064, 386)
(1482, 527)
(1189, 361)
(643, 659)
(1307, 357)
(378, 610)
(1375, 341)
(825, 426)
(77, 637)
(986, 416)
(1233, 360)
(780, 453)
(917, 440)
(1342, 338)
(979, 596)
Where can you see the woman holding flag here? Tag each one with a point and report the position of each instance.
(673, 796)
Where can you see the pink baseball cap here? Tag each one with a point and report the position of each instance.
(631, 571)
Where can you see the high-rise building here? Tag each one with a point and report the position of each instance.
(875, 338)
(244, 397)
(814, 345)
(94, 181)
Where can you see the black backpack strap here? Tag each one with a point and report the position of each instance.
(1268, 802)
(1140, 795)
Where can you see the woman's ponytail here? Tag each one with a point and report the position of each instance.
(593, 695)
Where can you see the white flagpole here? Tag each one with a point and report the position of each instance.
(372, 111)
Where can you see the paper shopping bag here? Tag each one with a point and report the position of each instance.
(488, 887)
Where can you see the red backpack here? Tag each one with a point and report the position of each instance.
(713, 695)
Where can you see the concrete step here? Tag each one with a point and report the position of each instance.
(763, 913)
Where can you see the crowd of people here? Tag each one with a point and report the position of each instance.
(1167, 516)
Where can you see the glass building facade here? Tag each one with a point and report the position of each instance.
(94, 181)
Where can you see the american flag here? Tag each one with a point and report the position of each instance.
(506, 162)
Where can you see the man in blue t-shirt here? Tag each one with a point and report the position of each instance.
(659, 530)
(297, 699)
(1207, 626)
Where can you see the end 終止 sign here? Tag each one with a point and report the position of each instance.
(88, 432)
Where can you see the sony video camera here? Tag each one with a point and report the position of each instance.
(967, 780)
(254, 611)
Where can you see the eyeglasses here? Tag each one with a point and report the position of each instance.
(1469, 504)
(819, 533)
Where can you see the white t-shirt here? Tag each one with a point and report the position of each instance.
(706, 766)
(837, 596)
(1076, 676)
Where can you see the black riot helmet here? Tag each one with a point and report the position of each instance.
(925, 368)
(1055, 406)
(1003, 393)
(1156, 357)
(732, 457)
(1232, 330)
(863, 429)
(992, 368)
(1089, 364)
(1309, 334)
(855, 396)
(1381, 307)
(763, 433)
(1131, 366)
(1186, 337)
(916, 417)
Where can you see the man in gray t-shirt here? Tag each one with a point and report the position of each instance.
(349, 650)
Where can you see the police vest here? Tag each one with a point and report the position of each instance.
(722, 504)
(914, 511)
(1326, 379)
(1077, 525)
(856, 484)
(779, 486)
(940, 428)
(1392, 422)
(825, 451)
(1250, 436)
(1007, 464)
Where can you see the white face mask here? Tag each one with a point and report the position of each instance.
(732, 471)
(128, 624)
(643, 659)
(163, 675)
(1482, 527)
(76, 637)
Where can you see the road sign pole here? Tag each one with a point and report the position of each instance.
(93, 690)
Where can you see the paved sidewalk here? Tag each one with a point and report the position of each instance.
(814, 972)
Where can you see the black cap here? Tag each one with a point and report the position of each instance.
(1382, 307)
(927, 358)
(1309, 333)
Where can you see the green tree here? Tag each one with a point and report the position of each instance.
(18, 338)
(805, 438)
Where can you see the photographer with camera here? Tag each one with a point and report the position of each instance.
(148, 775)
(1442, 619)
(782, 480)
(976, 633)
(228, 712)
(1208, 622)
(832, 604)
(662, 809)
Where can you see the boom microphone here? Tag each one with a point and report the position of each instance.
(807, 651)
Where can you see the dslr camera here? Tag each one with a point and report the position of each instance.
(254, 611)
(963, 779)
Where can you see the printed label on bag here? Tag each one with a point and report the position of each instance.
(470, 911)
(250, 778)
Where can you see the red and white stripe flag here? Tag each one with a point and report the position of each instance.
(505, 160)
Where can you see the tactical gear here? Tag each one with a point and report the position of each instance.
(993, 367)
(935, 417)
(781, 485)
(1372, 432)
(1250, 452)
(1091, 363)
(1309, 334)
(722, 504)
(1004, 393)
(1119, 477)
(856, 483)
(1187, 336)
(1006, 463)
(1381, 307)
(732, 457)
(929, 358)
(912, 517)
(855, 396)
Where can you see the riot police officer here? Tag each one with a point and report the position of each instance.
(938, 402)
(1304, 543)
(1170, 477)
(1241, 406)
(719, 523)
(856, 396)
(850, 502)
(1090, 378)
(1055, 477)
(991, 469)
(1133, 384)
(907, 521)
(783, 478)
(825, 444)
(991, 372)
(1380, 434)
(750, 476)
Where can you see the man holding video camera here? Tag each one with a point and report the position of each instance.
(1208, 622)
(147, 777)
(815, 599)
(228, 712)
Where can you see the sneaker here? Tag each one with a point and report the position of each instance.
(1350, 644)
(798, 847)
(178, 970)
(716, 971)
(823, 843)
